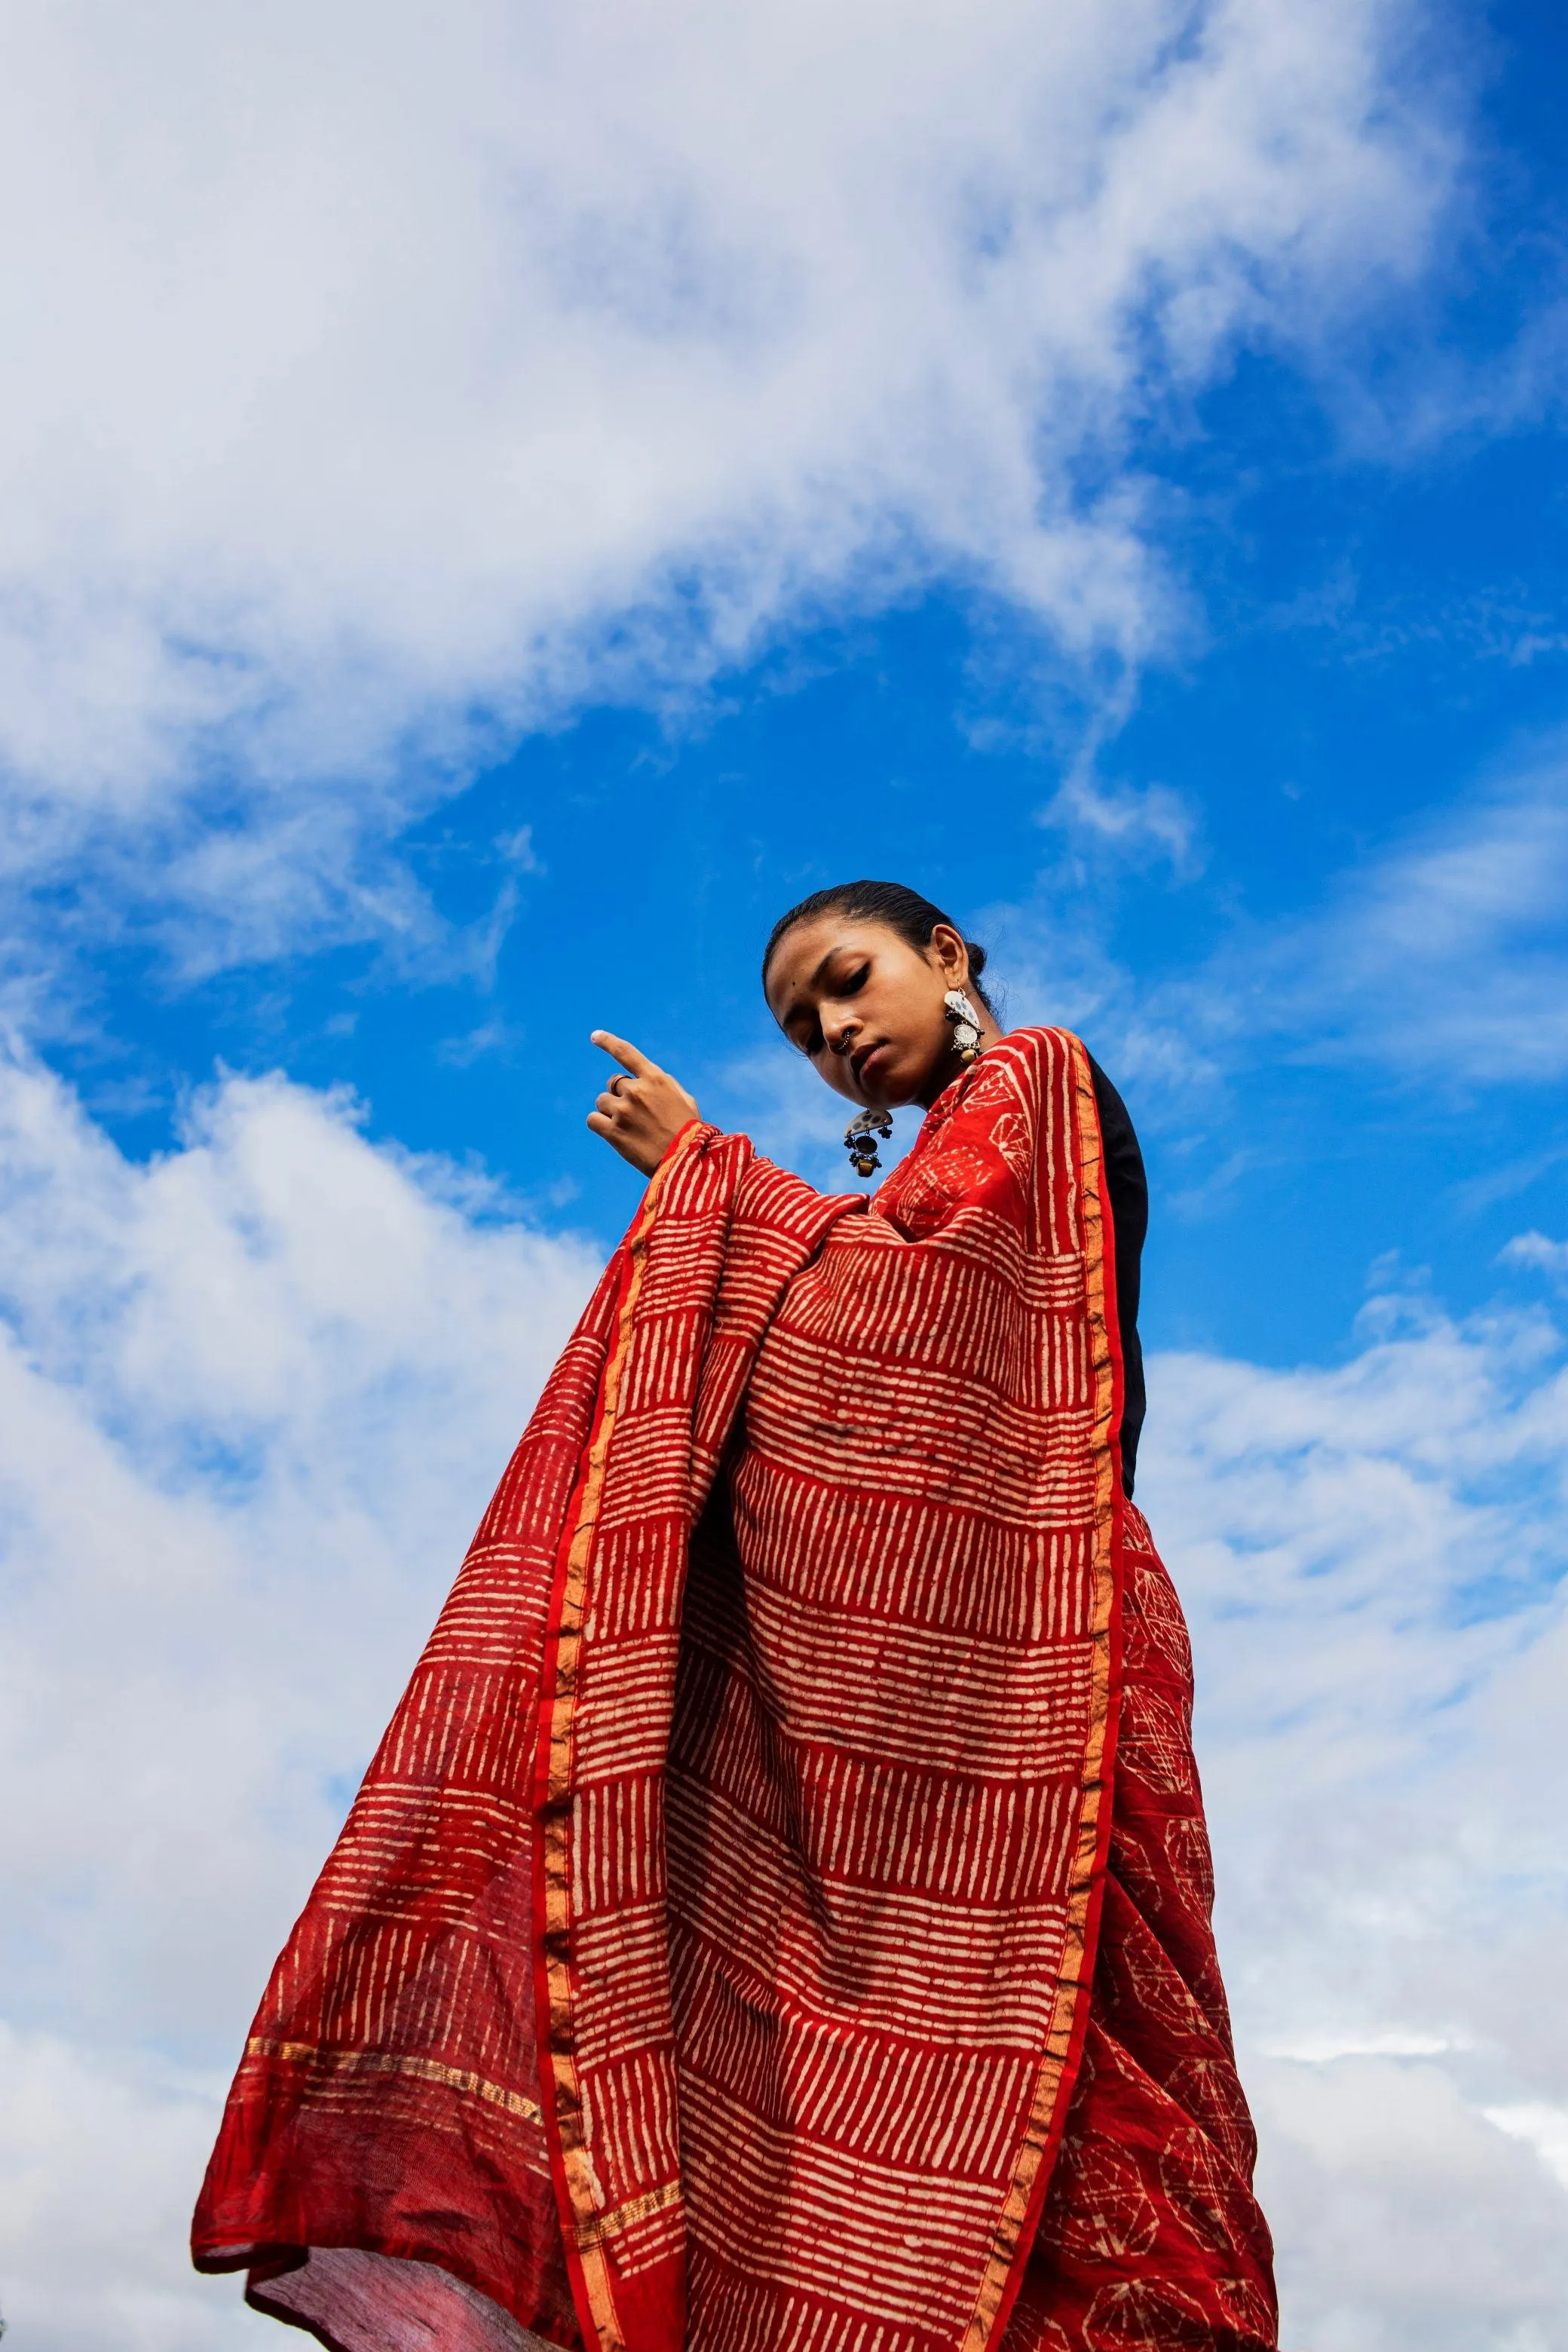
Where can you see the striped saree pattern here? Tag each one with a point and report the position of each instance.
(706, 1960)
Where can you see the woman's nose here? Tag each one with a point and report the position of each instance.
(838, 1031)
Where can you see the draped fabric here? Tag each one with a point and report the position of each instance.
(1151, 2236)
(707, 1962)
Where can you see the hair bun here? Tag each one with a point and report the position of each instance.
(977, 958)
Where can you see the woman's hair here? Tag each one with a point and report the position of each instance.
(905, 911)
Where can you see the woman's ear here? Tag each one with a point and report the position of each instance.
(951, 955)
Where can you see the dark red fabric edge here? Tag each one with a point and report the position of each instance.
(282, 2258)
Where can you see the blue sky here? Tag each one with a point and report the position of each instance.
(497, 512)
(1364, 559)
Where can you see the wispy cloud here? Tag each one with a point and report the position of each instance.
(1444, 958)
(1537, 1251)
(367, 376)
(1441, 960)
(1141, 824)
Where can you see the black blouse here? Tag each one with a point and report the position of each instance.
(1129, 1188)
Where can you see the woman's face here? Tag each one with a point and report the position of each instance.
(865, 1008)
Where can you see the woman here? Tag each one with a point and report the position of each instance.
(777, 1918)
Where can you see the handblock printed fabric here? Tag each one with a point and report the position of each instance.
(706, 1960)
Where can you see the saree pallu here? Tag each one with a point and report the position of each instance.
(707, 1962)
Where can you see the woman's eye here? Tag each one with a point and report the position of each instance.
(856, 981)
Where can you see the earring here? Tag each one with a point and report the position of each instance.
(965, 1024)
(860, 1139)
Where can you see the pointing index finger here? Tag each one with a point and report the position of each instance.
(628, 1055)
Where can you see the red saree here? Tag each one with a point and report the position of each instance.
(710, 1960)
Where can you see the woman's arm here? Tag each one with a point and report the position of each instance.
(642, 1108)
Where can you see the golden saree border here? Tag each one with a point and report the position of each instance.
(584, 2223)
(1014, 2227)
(320, 2058)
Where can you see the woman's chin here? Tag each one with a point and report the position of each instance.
(918, 1079)
(883, 1088)
(894, 1093)
(890, 1081)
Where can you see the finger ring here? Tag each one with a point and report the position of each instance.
(616, 1084)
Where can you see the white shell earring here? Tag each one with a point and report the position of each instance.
(965, 1024)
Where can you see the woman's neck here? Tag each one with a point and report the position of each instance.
(951, 1066)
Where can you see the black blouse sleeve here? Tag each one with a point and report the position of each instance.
(1129, 1189)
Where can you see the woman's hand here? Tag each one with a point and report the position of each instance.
(642, 1109)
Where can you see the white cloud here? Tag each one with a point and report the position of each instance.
(1445, 956)
(366, 367)
(1412, 2223)
(98, 2156)
(254, 1397)
(1145, 823)
(1543, 2127)
(1537, 1250)
(1438, 958)
(1373, 1561)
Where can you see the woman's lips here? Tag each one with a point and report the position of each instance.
(866, 1059)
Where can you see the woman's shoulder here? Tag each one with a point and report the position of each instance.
(1034, 1055)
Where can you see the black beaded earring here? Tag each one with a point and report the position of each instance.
(860, 1139)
